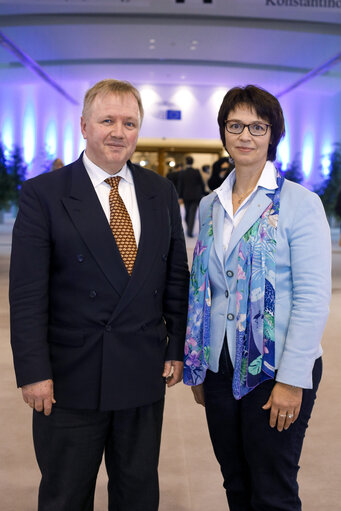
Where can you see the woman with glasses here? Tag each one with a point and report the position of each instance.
(259, 295)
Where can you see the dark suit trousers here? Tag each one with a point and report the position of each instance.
(191, 207)
(69, 446)
(259, 464)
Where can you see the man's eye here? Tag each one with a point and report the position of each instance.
(107, 121)
(130, 124)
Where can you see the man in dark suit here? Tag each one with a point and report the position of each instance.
(191, 190)
(97, 328)
(175, 175)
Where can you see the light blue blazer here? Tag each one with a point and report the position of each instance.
(303, 280)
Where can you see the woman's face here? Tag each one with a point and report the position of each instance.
(247, 149)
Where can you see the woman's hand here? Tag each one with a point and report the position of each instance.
(285, 404)
(198, 391)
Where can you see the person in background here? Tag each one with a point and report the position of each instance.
(205, 174)
(57, 164)
(98, 294)
(191, 190)
(259, 300)
(220, 170)
(174, 175)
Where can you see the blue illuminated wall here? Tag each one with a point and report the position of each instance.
(41, 122)
(46, 126)
(313, 127)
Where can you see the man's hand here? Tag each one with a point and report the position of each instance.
(172, 371)
(285, 404)
(198, 392)
(39, 396)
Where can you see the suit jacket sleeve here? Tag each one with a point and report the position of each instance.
(176, 290)
(29, 280)
(310, 253)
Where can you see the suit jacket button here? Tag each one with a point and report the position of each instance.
(80, 258)
(164, 257)
(92, 293)
(229, 273)
(230, 316)
(155, 292)
(108, 328)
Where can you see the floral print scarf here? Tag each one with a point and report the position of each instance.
(255, 315)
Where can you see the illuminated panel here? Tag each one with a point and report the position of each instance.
(149, 97)
(51, 138)
(184, 97)
(7, 136)
(216, 98)
(283, 151)
(81, 145)
(325, 159)
(68, 144)
(307, 154)
(29, 132)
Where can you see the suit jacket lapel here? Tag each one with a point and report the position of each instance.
(87, 215)
(151, 236)
(258, 204)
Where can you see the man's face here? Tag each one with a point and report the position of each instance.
(111, 128)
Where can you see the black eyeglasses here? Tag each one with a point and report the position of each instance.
(256, 129)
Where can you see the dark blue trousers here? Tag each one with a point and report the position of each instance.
(69, 446)
(258, 463)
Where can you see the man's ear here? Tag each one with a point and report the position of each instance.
(83, 127)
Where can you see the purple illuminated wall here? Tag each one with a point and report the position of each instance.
(45, 125)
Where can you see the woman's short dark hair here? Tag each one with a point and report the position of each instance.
(266, 106)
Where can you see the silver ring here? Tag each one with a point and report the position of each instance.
(290, 415)
(281, 415)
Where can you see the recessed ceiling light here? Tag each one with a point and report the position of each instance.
(194, 42)
(152, 47)
(193, 48)
(152, 41)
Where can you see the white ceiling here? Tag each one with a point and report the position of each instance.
(159, 41)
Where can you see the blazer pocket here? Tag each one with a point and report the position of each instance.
(66, 337)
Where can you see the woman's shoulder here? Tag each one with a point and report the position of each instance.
(295, 191)
(298, 200)
(208, 199)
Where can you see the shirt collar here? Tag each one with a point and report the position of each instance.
(268, 179)
(98, 175)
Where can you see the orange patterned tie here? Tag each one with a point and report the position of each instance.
(121, 226)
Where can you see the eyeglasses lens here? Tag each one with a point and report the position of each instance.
(256, 129)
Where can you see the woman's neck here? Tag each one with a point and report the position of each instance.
(246, 179)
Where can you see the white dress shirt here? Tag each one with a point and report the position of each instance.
(267, 180)
(126, 189)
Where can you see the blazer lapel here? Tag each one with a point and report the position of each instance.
(87, 215)
(258, 204)
(151, 236)
(218, 215)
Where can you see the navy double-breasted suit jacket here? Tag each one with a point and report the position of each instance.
(76, 315)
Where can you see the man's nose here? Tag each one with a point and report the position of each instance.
(116, 130)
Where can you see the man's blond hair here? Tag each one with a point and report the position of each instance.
(111, 86)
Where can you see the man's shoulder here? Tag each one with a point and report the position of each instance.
(52, 180)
